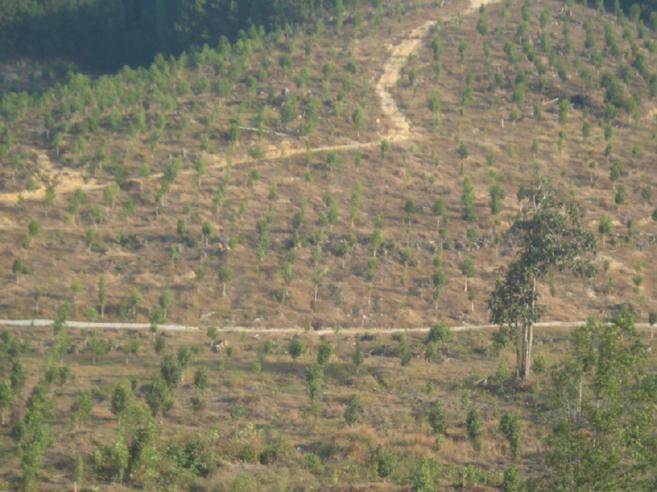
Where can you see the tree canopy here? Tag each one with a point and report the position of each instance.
(602, 406)
(107, 34)
(548, 234)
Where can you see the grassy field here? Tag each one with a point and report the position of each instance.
(268, 436)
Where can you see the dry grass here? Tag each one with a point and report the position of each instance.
(275, 403)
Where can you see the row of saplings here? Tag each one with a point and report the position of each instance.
(139, 454)
(128, 455)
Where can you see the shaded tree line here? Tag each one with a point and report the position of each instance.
(107, 34)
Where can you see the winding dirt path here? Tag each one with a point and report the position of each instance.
(64, 181)
(67, 180)
(392, 70)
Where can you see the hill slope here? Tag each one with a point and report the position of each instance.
(201, 181)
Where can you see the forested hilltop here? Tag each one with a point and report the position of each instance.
(107, 34)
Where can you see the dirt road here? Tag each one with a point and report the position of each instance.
(44, 323)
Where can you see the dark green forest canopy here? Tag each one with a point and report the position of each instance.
(107, 34)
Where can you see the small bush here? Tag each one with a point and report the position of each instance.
(237, 410)
(197, 403)
(424, 476)
(201, 378)
(296, 348)
(437, 418)
(385, 461)
(195, 454)
(353, 410)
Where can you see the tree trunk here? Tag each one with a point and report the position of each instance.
(524, 353)
(525, 343)
(528, 355)
(525, 365)
(519, 352)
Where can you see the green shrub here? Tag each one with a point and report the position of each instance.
(439, 332)
(424, 476)
(473, 427)
(511, 481)
(353, 410)
(237, 410)
(195, 454)
(201, 378)
(324, 352)
(296, 348)
(312, 462)
(111, 461)
(405, 353)
(510, 427)
(385, 461)
(437, 418)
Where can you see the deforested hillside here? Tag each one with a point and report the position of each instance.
(326, 178)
